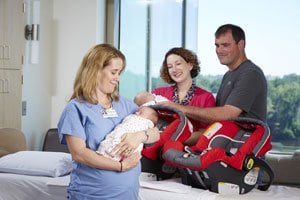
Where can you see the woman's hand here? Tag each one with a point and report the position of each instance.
(130, 161)
(129, 142)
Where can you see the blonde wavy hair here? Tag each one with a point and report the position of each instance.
(96, 59)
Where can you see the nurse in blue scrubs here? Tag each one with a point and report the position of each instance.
(93, 111)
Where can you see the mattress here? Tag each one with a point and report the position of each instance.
(174, 190)
(25, 187)
(39, 187)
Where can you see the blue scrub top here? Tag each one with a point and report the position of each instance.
(85, 120)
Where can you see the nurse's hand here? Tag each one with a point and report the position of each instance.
(129, 142)
(130, 161)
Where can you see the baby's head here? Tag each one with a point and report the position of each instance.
(149, 113)
(143, 97)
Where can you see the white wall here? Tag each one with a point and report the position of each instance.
(37, 80)
(68, 29)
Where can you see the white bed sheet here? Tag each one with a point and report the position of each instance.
(24, 187)
(167, 190)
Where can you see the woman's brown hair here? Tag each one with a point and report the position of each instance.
(187, 55)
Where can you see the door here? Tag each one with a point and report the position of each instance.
(12, 43)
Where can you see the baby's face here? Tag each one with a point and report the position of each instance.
(143, 98)
(144, 111)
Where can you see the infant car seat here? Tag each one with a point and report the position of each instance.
(174, 126)
(226, 158)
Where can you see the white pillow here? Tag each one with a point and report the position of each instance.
(39, 163)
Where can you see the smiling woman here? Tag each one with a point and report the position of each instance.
(83, 125)
(179, 67)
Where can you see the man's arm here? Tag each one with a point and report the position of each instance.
(207, 114)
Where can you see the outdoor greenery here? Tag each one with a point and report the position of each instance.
(283, 109)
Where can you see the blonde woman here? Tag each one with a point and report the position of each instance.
(95, 108)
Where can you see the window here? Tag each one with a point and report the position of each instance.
(147, 30)
(150, 28)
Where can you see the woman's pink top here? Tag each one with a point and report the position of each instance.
(201, 98)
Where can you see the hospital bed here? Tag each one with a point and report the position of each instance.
(51, 185)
